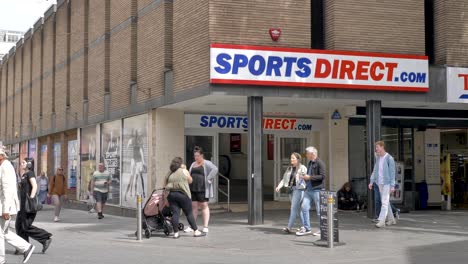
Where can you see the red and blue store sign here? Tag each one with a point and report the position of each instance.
(241, 122)
(457, 85)
(278, 66)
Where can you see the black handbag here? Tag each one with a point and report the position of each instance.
(31, 205)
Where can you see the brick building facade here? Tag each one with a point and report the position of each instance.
(88, 61)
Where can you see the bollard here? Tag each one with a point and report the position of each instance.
(330, 203)
(139, 220)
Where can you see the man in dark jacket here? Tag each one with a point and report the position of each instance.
(315, 180)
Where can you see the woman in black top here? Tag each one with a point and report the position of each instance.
(203, 173)
(24, 221)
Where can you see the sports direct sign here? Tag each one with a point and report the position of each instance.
(241, 122)
(274, 66)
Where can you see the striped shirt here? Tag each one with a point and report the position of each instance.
(100, 178)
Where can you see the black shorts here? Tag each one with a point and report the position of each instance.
(199, 197)
(100, 197)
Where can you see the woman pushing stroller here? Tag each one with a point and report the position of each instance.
(177, 184)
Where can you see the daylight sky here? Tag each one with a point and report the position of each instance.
(20, 15)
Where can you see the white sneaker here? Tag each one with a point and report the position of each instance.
(205, 230)
(316, 233)
(188, 229)
(176, 235)
(390, 222)
(303, 232)
(27, 254)
(56, 219)
(380, 224)
(198, 234)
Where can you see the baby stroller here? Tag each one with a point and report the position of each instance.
(157, 215)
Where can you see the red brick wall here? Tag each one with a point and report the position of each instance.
(96, 58)
(376, 26)
(61, 72)
(36, 76)
(120, 64)
(47, 82)
(151, 55)
(10, 98)
(2, 100)
(18, 86)
(77, 64)
(26, 80)
(451, 34)
(191, 44)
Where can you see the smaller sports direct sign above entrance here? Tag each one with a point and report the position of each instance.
(457, 85)
(275, 66)
(241, 122)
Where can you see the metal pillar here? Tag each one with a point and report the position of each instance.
(373, 134)
(255, 177)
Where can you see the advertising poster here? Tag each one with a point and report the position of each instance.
(135, 157)
(397, 196)
(57, 156)
(32, 153)
(235, 140)
(445, 178)
(44, 159)
(88, 159)
(110, 155)
(72, 163)
(23, 153)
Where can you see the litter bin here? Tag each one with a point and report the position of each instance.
(423, 194)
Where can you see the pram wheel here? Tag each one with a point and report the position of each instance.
(147, 233)
(167, 226)
(181, 226)
(167, 232)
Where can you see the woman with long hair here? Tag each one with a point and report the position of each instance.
(58, 188)
(24, 220)
(203, 173)
(177, 183)
(296, 187)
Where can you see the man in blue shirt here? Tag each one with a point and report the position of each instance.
(384, 176)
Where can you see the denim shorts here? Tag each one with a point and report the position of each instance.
(100, 197)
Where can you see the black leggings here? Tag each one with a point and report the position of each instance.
(177, 201)
(25, 229)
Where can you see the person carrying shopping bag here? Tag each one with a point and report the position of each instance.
(292, 180)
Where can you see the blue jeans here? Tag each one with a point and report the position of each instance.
(378, 201)
(296, 197)
(42, 196)
(310, 196)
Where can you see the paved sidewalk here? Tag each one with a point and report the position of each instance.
(420, 237)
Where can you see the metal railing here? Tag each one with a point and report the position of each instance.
(227, 193)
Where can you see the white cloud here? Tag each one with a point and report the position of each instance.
(21, 15)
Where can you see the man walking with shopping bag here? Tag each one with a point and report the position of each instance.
(9, 205)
